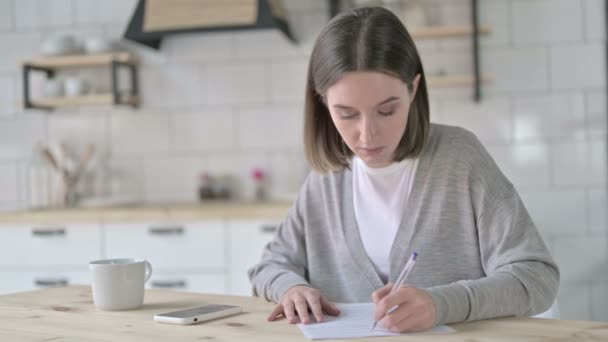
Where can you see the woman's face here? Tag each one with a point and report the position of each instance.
(370, 111)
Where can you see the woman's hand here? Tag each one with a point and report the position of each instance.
(415, 309)
(298, 300)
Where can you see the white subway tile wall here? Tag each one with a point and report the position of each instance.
(8, 96)
(228, 102)
(42, 14)
(6, 15)
(527, 29)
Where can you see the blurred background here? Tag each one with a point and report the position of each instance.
(218, 113)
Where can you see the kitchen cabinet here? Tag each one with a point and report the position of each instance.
(247, 239)
(39, 256)
(191, 249)
(206, 282)
(49, 245)
(17, 281)
(173, 245)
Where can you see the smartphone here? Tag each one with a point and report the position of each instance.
(198, 314)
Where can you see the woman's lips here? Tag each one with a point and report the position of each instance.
(370, 151)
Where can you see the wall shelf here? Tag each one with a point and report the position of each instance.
(447, 31)
(85, 100)
(77, 61)
(454, 80)
(49, 66)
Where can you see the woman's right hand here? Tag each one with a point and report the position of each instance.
(298, 300)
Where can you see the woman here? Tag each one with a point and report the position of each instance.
(388, 183)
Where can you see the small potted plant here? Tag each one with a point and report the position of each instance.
(259, 178)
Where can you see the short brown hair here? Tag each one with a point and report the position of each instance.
(362, 39)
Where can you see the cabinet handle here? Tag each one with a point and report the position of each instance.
(268, 229)
(43, 232)
(169, 284)
(51, 282)
(177, 230)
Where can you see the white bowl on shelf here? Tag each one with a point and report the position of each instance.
(60, 45)
(93, 45)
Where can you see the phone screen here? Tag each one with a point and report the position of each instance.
(201, 310)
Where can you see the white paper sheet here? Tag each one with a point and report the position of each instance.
(355, 320)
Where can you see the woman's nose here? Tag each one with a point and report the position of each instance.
(368, 129)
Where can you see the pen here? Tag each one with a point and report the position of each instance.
(401, 279)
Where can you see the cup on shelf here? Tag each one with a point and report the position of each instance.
(75, 86)
(52, 88)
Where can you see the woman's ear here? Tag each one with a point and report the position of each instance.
(415, 86)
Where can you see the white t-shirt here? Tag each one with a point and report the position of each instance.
(379, 196)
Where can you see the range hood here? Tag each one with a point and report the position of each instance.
(155, 19)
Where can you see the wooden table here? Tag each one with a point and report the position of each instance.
(67, 314)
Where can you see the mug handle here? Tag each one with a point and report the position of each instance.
(148, 271)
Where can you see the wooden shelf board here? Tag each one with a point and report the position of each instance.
(95, 99)
(454, 80)
(81, 60)
(446, 31)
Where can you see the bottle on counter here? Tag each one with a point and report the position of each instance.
(39, 176)
(205, 189)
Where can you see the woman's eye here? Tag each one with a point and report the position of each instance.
(347, 115)
(387, 113)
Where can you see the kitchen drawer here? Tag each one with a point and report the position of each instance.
(206, 283)
(49, 245)
(18, 281)
(247, 239)
(169, 246)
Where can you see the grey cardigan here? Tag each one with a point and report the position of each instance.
(480, 255)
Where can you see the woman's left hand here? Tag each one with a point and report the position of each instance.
(415, 309)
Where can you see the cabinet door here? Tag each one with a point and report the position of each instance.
(247, 240)
(214, 283)
(196, 245)
(18, 281)
(56, 245)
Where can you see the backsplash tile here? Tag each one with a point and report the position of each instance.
(6, 15)
(269, 128)
(516, 70)
(570, 204)
(210, 130)
(550, 117)
(527, 28)
(595, 21)
(578, 66)
(8, 96)
(22, 45)
(231, 84)
(42, 14)
(9, 182)
(139, 133)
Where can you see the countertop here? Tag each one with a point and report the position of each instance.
(210, 210)
(68, 314)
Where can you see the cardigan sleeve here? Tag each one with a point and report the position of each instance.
(521, 277)
(284, 261)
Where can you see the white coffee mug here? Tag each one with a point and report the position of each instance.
(118, 284)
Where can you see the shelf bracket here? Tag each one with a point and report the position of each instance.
(117, 98)
(334, 8)
(475, 37)
(27, 96)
